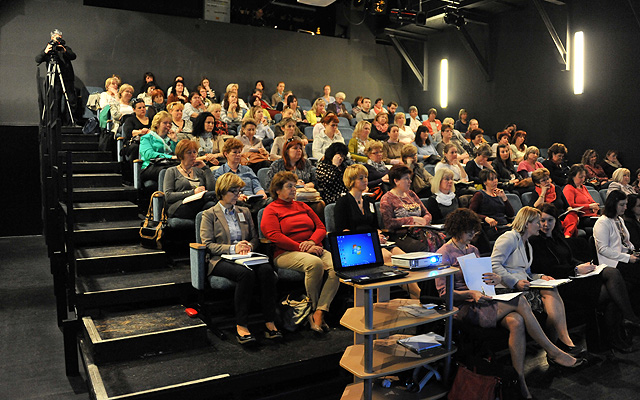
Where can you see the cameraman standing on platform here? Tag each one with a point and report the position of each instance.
(57, 51)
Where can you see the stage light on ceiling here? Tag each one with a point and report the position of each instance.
(578, 63)
(444, 83)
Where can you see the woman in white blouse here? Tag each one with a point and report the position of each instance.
(407, 135)
(327, 135)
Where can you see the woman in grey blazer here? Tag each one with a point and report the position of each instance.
(511, 259)
(189, 178)
(229, 229)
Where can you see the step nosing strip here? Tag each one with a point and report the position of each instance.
(177, 385)
(113, 340)
(117, 256)
(127, 288)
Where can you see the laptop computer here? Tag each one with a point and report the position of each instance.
(357, 257)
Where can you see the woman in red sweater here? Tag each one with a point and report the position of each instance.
(297, 233)
(577, 195)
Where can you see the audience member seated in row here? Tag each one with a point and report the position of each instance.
(364, 111)
(547, 192)
(191, 177)
(380, 127)
(610, 163)
(278, 96)
(632, 219)
(427, 152)
(316, 113)
(392, 148)
(506, 172)
(356, 212)
(289, 129)
(595, 174)
(503, 138)
(553, 257)
(159, 143)
(194, 106)
(414, 120)
(447, 138)
(158, 103)
(443, 200)
(456, 136)
(297, 233)
(636, 182)
(133, 129)
(254, 155)
(328, 134)
(475, 308)
(450, 161)
(178, 92)
(279, 131)
(407, 136)
(232, 113)
(420, 178)
(480, 162)
(121, 106)
(147, 94)
(292, 104)
(529, 162)
(511, 259)
(578, 196)
(209, 143)
(338, 108)
(612, 240)
(433, 125)
(473, 125)
(378, 172)
(147, 78)
(233, 88)
(229, 229)
(110, 95)
(491, 205)
(220, 127)
(211, 94)
(203, 93)
(359, 141)
(620, 181)
(171, 89)
(294, 160)
(462, 124)
(378, 106)
(330, 171)
(401, 207)
(179, 125)
(477, 139)
(232, 151)
(328, 99)
(554, 163)
(518, 148)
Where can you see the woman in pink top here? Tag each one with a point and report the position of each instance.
(577, 195)
(434, 125)
(530, 162)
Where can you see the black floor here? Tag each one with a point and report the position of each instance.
(32, 365)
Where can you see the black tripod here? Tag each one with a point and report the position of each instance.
(53, 70)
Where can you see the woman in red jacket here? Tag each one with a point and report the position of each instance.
(297, 233)
(577, 195)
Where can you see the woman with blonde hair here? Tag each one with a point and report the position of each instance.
(511, 259)
(406, 134)
(317, 112)
(111, 86)
(180, 126)
(359, 141)
(160, 142)
(620, 180)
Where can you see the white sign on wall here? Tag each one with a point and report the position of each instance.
(217, 10)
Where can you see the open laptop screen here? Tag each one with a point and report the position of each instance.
(352, 249)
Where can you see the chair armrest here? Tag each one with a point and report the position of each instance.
(265, 241)
(158, 205)
(137, 171)
(119, 146)
(197, 252)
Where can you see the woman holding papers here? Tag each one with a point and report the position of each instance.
(552, 256)
(297, 232)
(229, 229)
(191, 177)
(511, 259)
(577, 195)
(478, 309)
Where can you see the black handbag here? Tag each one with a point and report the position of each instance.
(165, 162)
(151, 231)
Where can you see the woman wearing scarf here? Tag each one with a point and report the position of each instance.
(378, 171)
(380, 128)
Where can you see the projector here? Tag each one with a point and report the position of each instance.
(417, 260)
(317, 3)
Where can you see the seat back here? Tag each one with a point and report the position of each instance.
(516, 204)
(198, 222)
(161, 180)
(430, 168)
(379, 215)
(526, 198)
(277, 118)
(260, 234)
(305, 104)
(342, 121)
(347, 133)
(329, 217)
(263, 175)
(596, 196)
(603, 194)
(308, 132)
(347, 105)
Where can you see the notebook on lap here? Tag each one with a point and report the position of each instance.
(357, 256)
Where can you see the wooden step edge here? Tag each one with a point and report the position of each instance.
(121, 255)
(129, 288)
(92, 331)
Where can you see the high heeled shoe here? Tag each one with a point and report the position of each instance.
(314, 327)
(325, 327)
(573, 351)
(579, 362)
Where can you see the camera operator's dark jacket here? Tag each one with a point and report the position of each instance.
(64, 60)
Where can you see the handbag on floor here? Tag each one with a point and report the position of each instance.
(471, 385)
(294, 311)
(151, 231)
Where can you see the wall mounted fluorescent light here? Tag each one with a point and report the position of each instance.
(444, 83)
(578, 63)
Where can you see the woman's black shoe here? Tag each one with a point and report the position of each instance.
(245, 339)
(272, 335)
(573, 351)
(579, 362)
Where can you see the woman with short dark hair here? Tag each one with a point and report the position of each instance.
(491, 205)
(329, 172)
(555, 163)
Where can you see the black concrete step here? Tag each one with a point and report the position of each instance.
(95, 166)
(73, 130)
(114, 258)
(104, 290)
(106, 232)
(127, 335)
(105, 194)
(78, 138)
(105, 211)
(79, 146)
(96, 180)
(87, 156)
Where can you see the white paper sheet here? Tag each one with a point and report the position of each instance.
(472, 269)
(596, 271)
